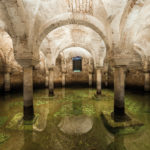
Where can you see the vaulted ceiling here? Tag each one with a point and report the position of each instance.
(105, 28)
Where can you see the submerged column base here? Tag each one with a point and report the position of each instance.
(119, 115)
(51, 81)
(51, 92)
(98, 92)
(28, 113)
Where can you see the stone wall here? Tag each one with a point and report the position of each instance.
(16, 79)
(72, 77)
(134, 79)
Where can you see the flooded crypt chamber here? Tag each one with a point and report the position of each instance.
(74, 75)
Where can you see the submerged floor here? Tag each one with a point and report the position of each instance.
(71, 121)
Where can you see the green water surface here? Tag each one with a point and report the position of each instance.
(78, 103)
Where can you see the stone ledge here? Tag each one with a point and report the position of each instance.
(120, 128)
(17, 122)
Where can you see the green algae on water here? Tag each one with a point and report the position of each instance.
(3, 121)
(3, 137)
(40, 102)
(121, 128)
(75, 108)
(15, 104)
(17, 122)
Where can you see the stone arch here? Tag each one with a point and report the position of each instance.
(7, 55)
(81, 45)
(79, 19)
(127, 10)
(139, 51)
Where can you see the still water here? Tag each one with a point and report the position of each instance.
(71, 120)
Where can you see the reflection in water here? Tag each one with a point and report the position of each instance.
(76, 124)
(71, 121)
(77, 107)
(29, 144)
(118, 143)
(43, 111)
(63, 92)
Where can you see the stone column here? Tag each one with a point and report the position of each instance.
(51, 81)
(106, 79)
(146, 75)
(28, 93)
(63, 79)
(7, 81)
(98, 79)
(7, 71)
(119, 91)
(90, 79)
(147, 82)
(46, 81)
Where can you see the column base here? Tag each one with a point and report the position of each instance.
(63, 86)
(46, 86)
(7, 90)
(51, 92)
(147, 90)
(98, 92)
(90, 85)
(28, 113)
(120, 128)
(106, 85)
(120, 117)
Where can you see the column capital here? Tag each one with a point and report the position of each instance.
(124, 67)
(6, 69)
(28, 62)
(64, 72)
(120, 66)
(51, 68)
(120, 61)
(90, 72)
(99, 67)
(36, 67)
(146, 71)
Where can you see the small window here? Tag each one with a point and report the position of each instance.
(77, 64)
